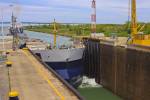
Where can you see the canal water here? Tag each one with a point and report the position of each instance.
(97, 93)
(90, 92)
(61, 40)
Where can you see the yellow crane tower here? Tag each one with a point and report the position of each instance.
(137, 37)
(54, 32)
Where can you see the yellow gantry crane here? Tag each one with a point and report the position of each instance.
(137, 37)
(54, 32)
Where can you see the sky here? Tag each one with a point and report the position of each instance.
(73, 11)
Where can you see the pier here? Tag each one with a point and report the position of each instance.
(32, 79)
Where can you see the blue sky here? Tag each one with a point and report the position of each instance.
(73, 11)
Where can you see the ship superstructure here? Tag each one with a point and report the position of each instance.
(16, 30)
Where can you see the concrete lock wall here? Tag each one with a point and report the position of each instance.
(91, 61)
(124, 71)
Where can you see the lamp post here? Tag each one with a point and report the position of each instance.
(2, 27)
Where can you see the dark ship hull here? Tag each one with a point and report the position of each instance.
(68, 63)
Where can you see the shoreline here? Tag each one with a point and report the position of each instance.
(49, 33)
(65, 35)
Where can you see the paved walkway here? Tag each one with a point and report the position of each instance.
(32, 80)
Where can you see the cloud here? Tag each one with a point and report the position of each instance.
(108, 11)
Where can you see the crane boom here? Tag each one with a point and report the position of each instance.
(133, 19)
(136, 37)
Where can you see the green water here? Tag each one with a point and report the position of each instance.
(97, 94)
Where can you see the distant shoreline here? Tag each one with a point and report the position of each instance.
(65, 35)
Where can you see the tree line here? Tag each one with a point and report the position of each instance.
(85, 29)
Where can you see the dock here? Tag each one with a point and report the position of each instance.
(32, 80)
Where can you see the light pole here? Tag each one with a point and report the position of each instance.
(2, 27)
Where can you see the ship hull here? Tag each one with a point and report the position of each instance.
(68, 63)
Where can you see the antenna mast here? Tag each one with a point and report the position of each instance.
(93, 17)
(14, 32)
(55, 31)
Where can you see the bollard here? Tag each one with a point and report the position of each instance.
(8, 64)
(25, 49)
(13, 95)
(7, 52)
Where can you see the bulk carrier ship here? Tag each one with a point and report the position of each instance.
(67, 62)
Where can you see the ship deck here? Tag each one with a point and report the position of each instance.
(31, 79)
